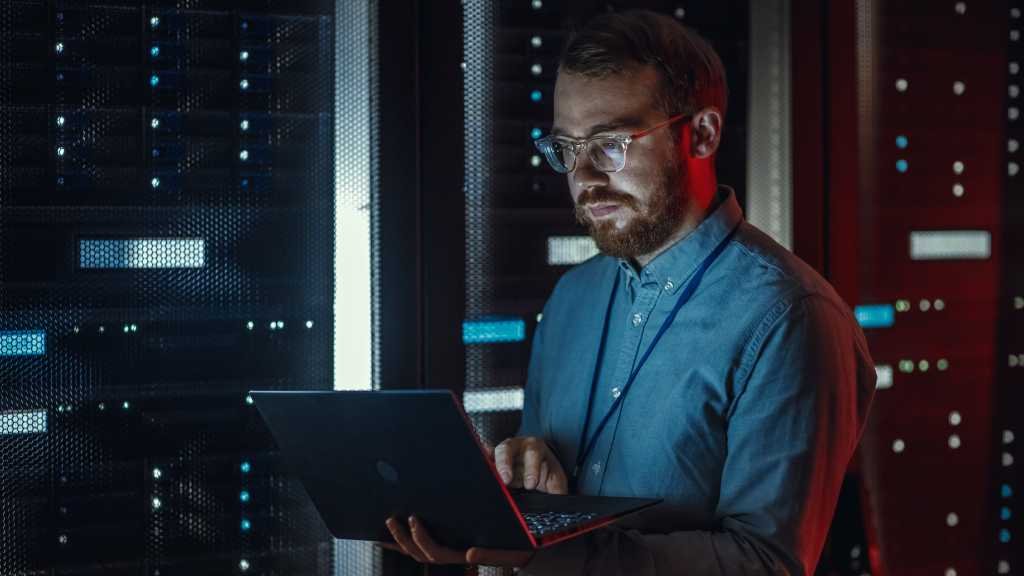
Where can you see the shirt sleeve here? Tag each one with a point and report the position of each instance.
(804, 386)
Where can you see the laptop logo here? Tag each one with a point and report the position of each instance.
(387, 472)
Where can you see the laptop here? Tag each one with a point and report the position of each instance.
(367, 456)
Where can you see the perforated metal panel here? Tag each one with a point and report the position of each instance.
(929, 237)
(770, 194)
(166, 225)
(357, 255)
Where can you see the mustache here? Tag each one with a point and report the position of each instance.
(599, 195)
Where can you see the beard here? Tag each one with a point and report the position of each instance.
(652, 225)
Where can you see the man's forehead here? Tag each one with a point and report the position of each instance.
(586, 105)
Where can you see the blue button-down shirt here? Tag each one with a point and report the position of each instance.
(743, 419)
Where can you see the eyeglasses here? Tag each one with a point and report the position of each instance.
(607, 152)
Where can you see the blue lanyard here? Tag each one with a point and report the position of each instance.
(691, 287)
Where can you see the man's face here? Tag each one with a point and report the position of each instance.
(632, 212)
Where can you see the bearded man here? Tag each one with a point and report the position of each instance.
(693, 360)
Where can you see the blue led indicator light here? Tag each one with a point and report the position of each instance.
(1004, 536)
(536, 95)
(154, 51)
(902, 141)
(156, 152)
(154, 80)
(1004, 513)
(536, 133)
(23, 343)
(245, 182)
(902, 165)
(875, 315)
(493, 331)
(1005, 491)
(245, 467)
(244, 496)
(246, 525)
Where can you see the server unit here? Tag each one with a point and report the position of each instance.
(166, 244)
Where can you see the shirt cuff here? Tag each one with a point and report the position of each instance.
(563, 559)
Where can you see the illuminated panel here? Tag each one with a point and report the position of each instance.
(769, 164)
(356, 295)
(495, 400)
(569, 250)
(493, 331)
(142, 253)
(883, 373)
(875, 315)
(23, 343)
(22, 422)
(950, 245)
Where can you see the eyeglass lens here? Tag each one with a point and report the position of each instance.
(607, 155)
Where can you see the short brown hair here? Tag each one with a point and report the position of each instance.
(692, 74)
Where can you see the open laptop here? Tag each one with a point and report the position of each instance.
(366, 456)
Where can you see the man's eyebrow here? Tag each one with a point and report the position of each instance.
(604, 127)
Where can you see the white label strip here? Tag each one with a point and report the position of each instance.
(884, 376)
(569, 250)
(950, 245)
(496, 400)
(142, 253)
(22, 422)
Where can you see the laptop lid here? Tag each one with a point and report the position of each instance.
(366, 456)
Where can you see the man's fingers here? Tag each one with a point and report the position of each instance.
(557, 482)
(504, 456)
(404, 540)
(389, 546)
(434, 552)
(489, 450)
(490, 557)
(528, 463)
(532, 456)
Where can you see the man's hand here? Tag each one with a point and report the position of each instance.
(414, 541)
(527, 462)
(522, 463)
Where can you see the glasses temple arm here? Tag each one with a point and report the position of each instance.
(661, 124)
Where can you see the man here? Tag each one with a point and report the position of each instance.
(695, 360)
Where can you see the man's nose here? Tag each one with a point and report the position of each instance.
(585, 176)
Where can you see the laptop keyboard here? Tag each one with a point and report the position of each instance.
(544, 523)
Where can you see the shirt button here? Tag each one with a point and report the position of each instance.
(669, 285)
(616, 392)
(596, 468)
(638, 319)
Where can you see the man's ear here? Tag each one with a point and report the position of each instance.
(706, 130)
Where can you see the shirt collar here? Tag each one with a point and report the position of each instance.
(673, 267)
